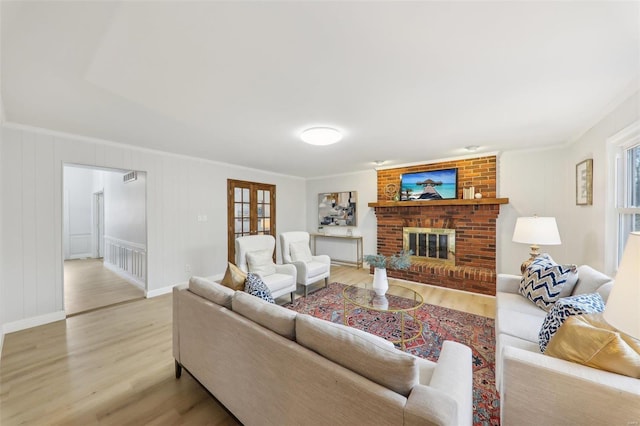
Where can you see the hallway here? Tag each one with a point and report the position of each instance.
(88, 285)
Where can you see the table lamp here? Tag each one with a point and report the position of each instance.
(623, 305)
(535, 231)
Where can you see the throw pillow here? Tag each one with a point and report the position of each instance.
(234, 277)
(589, 340)
(544, 279)
(300, 251)
(563, 309)
(256, 287)
(260, 262)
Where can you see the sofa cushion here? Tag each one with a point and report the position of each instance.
(589, 280)
(563, 309)
(519, 324)
(589, 340)
(278, 281)
(234, 277)
(300, 251)
(261, 262)
(517, 302)
(212, 291)
(363, 353)
(255, 287)
(276, 318)
(543, 281)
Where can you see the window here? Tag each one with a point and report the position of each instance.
(627, 185)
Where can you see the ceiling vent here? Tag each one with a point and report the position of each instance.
(130, 177)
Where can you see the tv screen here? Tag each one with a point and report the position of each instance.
(431, 185)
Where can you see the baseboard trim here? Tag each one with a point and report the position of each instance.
(80, 256)
(23, 324)
(160, 291)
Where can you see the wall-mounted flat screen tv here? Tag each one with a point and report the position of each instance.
(431, 185)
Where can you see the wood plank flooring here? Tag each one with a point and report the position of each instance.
(89, 285)
(114, 366)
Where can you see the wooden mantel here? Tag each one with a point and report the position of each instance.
(427, 203)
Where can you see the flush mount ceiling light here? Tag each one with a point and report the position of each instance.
(379, 162)
(472, 148)
(321, 136)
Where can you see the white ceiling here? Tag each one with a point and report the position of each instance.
(238, 81)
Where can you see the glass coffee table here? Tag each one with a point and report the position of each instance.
(399, 302)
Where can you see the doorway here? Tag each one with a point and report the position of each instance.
(251, 210)
(104, 237)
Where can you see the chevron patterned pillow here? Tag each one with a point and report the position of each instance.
(544, 280)
(565, 307)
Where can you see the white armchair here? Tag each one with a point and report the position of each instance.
(281, 279)
(310, 269)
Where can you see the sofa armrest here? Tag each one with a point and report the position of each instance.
(176, 330)
(508, 283)
(448, 398)
(539, 389)
(430, 406)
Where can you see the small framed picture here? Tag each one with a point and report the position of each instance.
(584, 183)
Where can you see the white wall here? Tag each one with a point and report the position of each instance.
(178, 190)
(77, 213)
(125, 208)
(587, 224)
(543, 182)
(365, 183)
(535, 181)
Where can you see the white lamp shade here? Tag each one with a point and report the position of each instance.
(623, 305)
(536, 230)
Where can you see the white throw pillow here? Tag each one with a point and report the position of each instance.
(260, 262)
(300, 251)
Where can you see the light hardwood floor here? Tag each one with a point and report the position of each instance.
(115, 366)
(89, 285)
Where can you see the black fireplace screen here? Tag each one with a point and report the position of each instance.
(431, 243)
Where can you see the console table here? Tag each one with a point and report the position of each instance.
(356, 238)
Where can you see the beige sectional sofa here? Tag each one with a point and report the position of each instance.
(536, 389)
(269, 365)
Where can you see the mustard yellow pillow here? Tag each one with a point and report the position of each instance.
(234, 277)
(589, 340)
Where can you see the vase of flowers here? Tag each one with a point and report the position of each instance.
(400, 261)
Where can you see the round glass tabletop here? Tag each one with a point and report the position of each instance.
(397, 298)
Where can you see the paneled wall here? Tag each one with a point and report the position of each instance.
(179, 189)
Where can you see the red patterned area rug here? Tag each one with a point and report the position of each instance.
(439, 324)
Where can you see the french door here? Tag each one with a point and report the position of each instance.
(251, 210)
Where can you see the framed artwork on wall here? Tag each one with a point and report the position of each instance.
(337, 209)
(584, 183)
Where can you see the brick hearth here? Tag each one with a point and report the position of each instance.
(475, 225)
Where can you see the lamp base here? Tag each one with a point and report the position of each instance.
(535, 252)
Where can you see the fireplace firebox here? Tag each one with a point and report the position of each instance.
(432, 244)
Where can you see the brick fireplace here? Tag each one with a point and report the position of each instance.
(474, 222)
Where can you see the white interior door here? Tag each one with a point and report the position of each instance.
(99, 224)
